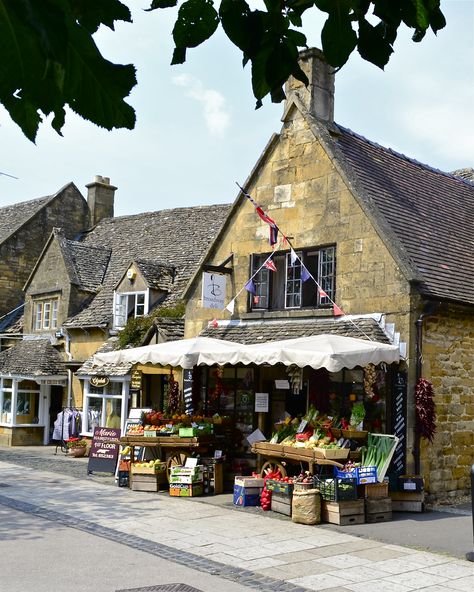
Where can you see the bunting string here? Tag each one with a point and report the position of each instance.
(305, 273)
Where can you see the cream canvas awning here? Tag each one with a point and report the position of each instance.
(332, 352)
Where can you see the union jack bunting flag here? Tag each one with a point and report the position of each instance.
(270, 265)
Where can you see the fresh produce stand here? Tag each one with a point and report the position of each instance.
(275, 455)
(174, 450)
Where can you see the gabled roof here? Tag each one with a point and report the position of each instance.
(178, 236)
(86, 264)
(34, 357)
(13, 217)
(248, 332)
(159, 276)
(430, 212)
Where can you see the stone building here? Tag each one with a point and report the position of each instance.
(385, 238)
(80, 294)
(24, 230)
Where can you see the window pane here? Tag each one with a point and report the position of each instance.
(38, 316)
(27, 405)
(46, 315)
(54, 315)
(140, 299)
(326, 272)
(113, 413)
(94, 414)
(293, 282)
(120, 318)
(7, 407)
(261, 282)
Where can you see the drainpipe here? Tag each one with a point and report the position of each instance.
(67, 349)
(429, 309)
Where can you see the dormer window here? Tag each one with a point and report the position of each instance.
(46, 314)
(129, 305)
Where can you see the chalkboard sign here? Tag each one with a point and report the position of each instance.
(399, 423)
(104, 450)
(188, 390)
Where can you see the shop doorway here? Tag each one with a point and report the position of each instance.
(55, 407)
(153, 391)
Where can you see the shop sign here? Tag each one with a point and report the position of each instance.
(213, 290)
(99, 381)
(261, 402)
(136, 380)
(104, 450)
(282, 384)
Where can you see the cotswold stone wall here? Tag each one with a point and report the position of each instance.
(18, 254)
(448, 362)
(299, 186)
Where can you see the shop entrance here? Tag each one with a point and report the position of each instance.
(55, 406)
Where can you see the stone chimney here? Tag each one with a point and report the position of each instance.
(100, 199)
(318, 96)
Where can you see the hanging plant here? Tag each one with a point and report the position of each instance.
(173, 395)
(425, 409)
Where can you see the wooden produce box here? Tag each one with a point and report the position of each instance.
(281, 503)
(343, 513)
(375, 490)
(331, 453)
(404, 501)
(378, 510)
(142, 470)
(155, 482)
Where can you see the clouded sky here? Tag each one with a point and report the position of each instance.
(197, 130)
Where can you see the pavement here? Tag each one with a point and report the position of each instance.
(243, 546)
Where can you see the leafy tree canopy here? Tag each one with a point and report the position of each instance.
(50, 59)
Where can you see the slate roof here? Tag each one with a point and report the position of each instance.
(12, 322)
(87, 265)
(16, 215)
(158, 275)
(169, 329)
(33, 357)
(430, 212)
(178, 236)
(107, 369)
(249, 332)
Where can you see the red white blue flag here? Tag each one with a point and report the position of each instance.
(270, 265)
(271, 223)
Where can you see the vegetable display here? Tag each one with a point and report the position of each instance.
(379, 450)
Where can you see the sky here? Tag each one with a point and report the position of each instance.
(198, 132)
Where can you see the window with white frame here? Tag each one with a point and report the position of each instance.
(102, 407)
(279, 286)
(19, 405)
(45, 314)
(129, 305)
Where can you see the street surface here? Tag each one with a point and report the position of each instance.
(62, 530)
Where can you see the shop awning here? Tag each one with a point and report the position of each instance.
(332, 352)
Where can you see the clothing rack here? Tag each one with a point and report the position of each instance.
(62, 442)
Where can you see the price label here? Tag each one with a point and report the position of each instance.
(302, 426)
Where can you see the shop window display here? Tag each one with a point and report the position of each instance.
(103, 407)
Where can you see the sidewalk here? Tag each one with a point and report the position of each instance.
(263, 551)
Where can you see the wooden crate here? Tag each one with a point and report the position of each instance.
(408, 501)
(375, 490)
(156, 482)
(281, 503)
(343, 513)
(378, 510)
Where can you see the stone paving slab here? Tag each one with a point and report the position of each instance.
(245, 547)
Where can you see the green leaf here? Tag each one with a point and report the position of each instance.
(197, 21)
(179, 56)
(372, 46)
(93, 14)
(162, 4)
(241, 25)
(338, 39)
